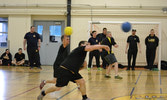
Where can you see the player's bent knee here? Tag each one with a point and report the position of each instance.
(80, 81)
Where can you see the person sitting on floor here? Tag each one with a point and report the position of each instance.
(19, 58)
(6, 58)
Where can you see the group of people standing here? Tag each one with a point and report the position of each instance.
(132, 46)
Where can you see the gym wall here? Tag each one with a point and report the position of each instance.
(20, 17)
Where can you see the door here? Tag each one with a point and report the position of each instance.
(50, 32)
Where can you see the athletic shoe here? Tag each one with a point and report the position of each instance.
(128, 69)
(40, 97)
(107, 76)
(133, 69)
(39, 67)
(155, 69)
(89, 69)
(42, 84)
(99, 68)
(86, 99)
(118, 77)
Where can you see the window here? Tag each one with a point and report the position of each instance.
(55, 30)
(3, 34)
(55, 33)
(40, 31)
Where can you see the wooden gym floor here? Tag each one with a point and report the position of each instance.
(21, 83)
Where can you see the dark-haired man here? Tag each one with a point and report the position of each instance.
(19, 58)
(62, 54)
(93, 40)
(100, 37)
(69, 69)
(6, 58)
(33, 41)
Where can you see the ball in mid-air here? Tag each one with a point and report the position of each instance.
(68, 30)
(126, 26)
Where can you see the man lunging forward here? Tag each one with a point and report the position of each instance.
(69, 69)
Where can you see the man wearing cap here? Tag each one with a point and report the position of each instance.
(133, 42)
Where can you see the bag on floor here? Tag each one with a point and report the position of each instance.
(164, 65)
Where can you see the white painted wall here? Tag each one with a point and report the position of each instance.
(18, 26)
(20, 19)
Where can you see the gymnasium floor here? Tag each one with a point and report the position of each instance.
(21, 83)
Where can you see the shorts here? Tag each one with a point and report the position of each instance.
(110, 58)
(64, 76)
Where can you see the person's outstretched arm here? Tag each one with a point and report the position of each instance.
(96, 47)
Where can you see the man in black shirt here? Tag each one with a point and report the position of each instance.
(93, 40)
(33, 46)
(100, 37)
(110, 59)
(151, 42)
(133, 42)
(69, 69)
(62, 54)
(6, 58)
(19, 58)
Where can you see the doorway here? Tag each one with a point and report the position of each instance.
(50, 33)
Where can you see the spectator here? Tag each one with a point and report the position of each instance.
(19, 58)
(6, 58)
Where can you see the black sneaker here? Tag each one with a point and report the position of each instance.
(86, 99)
(39, 67)
(107, 76)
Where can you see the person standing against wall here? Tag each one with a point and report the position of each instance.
(100, 37)
(151, 43)
(93, 40)
(133, 42)
(33, 41)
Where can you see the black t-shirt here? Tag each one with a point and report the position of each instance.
(101, 36)
(151, 42)
(133, 40)
(108, 43)
(93, 41)
(4, 55)
(75, 59)
(19, 57)
(32, 39)
(62, 54)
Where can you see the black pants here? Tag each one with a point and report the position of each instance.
(104, 63)
(130, 54)
(150, 57)
(33, 56)
(97, 57)
(6, 62)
